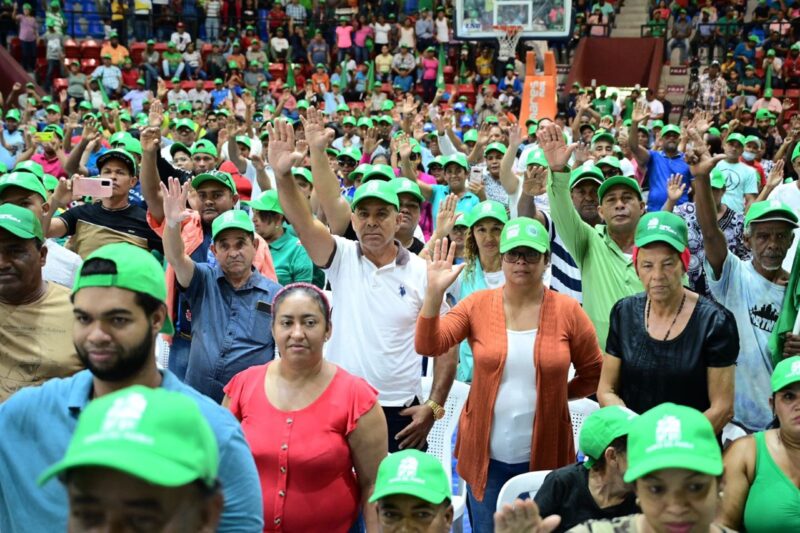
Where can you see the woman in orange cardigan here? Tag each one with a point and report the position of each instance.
(524, 337)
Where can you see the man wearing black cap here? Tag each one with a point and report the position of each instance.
(113, 219)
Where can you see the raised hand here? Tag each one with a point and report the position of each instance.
(551, 141)
(446, 217)
(62, 196)
(404, 147)
(441, 272)
(606, 123)
(156, 115)
(370, 141)
(175, 206)
(514, 138)
(150, 138)
(483, 133)
(523, 517)
(535, 182)
(582, 103)
(318, 136)
(641, 111)
(775, 177)
(477, 189)
(675, 187)
(282, 154)
(258, 161)
(702, 168)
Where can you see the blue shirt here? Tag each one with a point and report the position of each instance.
(218, 96)
(659, 169)
(440, 192)
(231, 328)
(37, 423)
(91, 163)
(406, 82)
(12, 139)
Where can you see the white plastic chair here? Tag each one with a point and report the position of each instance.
(529, 482)
(578, 411)
(440, 439)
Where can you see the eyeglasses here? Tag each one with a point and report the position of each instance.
(347, 162)
(528, 255)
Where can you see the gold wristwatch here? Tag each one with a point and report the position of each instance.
(438, 410)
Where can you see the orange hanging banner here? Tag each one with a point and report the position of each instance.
(539, 91)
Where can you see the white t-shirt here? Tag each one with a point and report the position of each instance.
(382, 33)
(374, 320)
(279, 44)
(61, 265)
(789, 193)
(515, 404)
(656, 108)
(442, 31)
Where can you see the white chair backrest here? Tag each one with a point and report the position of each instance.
(441, 436)
(529, 482)
(578, 411)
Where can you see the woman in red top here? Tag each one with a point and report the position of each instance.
(316, 432)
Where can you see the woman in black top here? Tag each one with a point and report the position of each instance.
(669, 344)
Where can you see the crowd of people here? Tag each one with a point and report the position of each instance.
(217, 307)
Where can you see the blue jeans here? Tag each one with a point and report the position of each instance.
(481, 514)
(179, 356)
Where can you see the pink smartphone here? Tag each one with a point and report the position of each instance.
(94, 187)
(475, 175)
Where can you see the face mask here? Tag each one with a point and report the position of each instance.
(749, 156)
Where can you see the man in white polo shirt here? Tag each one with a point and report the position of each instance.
(378, 287)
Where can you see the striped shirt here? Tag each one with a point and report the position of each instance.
(296, 12)
(565, 275)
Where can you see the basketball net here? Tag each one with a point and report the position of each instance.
(508, 37)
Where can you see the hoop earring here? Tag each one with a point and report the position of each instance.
(638, 503)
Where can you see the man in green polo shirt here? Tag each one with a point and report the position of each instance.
(413, 494)
(602, 253)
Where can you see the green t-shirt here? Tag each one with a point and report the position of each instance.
(604, 106)
(607, 274)
(657, 28)
(173, 58)
(292, 263)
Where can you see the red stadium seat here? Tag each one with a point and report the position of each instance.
(16, 48)
(160, 47)
(449, 74)
(88, 65)
(187, 85)
(137, 51)
(777, 93)
(205, 50)
(90, 49)
(792, 93)
(277, 71)
(72, 49)
(60, 84)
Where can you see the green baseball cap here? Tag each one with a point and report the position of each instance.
(176, 147)
(23, 180)
(53, 108)
(137, 270)
(379, 172)
(22, 223)
(436, 161)
(349, 121)
(350, 151)
(670, 128)
(118, 137)
(717, 179)
(186, 123)
(50, 182)
(587, 171)
(386, 119)
(131, 145)
(762, 114)
(378, 189)
(153, 434)
(495, 147)
(770, 210)
(658, 123)
(405, 186)
(471, 136)
(662, 226)
(618, 180)
(204, 146)
(359, 171)
(601, 428)
(268, 201)
(610, 161)
(462, 217)
(215, 175)
(302, 172)
(491, 119)
(243, 139)
(488, 209)
(55, 129)
(233, 219)
(532, 129)
(414, 473)
(752, 139)
(184, 106)
(602, 135)
(342, 108)
(332, 151)
(85, 105)
(302, 104)
(31, 167)
(364, 121)
(735, 137)
(120, 155)
(457, 159)
(217, 81)
(13, 114)
(786, 372)
(713, 131)
(672, 436)
(796, 151)
(388, 105)
(524, 231)
(536, 157)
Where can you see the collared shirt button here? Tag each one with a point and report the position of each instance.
(289, 420)
(283, 470)
(281, 493)
(284, 446)
(278, 520)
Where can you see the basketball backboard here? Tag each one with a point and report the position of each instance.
(540, 19)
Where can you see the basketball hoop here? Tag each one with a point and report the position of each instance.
(508, 37)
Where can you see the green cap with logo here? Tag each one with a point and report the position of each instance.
(752, 139)
(610, 161)
(488, 209)
(456, 159)
(768, 211)
(268, 201)
(670, 128)
(662, 226)
(349, 121)
(601, 428)
(184, 106)
(536, 157)
(302, 172)
(525, 232)
(22, 222)
(233, 219)
(717, 179)
(350, 151)
(31, 167)
(378, 172)
(119, 155)
(406, 186)
(471, 136)
(495, 147)
(13, 114)
(23, 180)
(619, 180)
(243, 139)
(413, 473)
(672, 436)
(50, 182)
(786, 372)
(378, 189)
(204, 146)
(136, 270)
(602, 135)
(215, 175)
(587, 171)
(364, 121)
(735, 137)
(763, 114)
(178, 147)
(359, 171)
(153, 434)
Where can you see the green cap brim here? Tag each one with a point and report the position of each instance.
(618, 180)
